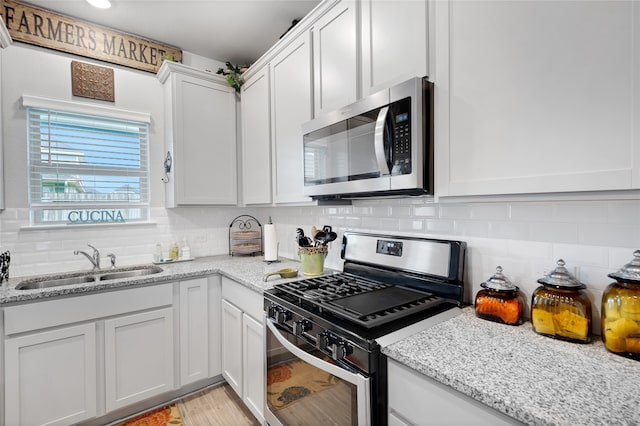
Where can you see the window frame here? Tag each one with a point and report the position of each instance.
(100, 111)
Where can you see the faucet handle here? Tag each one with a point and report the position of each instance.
(113, 260)
(95, 250)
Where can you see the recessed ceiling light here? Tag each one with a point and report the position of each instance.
(100, 4)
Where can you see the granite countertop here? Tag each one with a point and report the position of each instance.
(247, 270)
(535, 379)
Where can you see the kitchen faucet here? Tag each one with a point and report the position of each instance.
(95, 259)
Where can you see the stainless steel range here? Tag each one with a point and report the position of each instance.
(325, 334)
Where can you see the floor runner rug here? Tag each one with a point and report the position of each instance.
(292, 381)
(165, 416)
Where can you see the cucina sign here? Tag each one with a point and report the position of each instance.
(95, 216)
(42, 27)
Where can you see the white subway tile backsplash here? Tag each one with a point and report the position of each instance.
(531, 212)
(609, 234)
(627, 212)
(455, 211)
(371, 223)
(509, 230)
(425, 211)
(582, 212)
(497, 211)
(554, 232)
(380, 211)
(467, 228)
(575, 255)
(389, 224)
(438, 226)
(411, 225)
(400, 211)
(530, 250)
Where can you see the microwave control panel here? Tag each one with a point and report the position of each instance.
(401, 148)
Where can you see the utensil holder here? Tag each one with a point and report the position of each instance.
(312, 259)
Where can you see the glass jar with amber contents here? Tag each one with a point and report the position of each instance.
(621, 311)
(500, 300)
(560, 308)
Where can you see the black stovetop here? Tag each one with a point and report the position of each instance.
(362, 301)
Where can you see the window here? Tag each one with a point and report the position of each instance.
(86, 168)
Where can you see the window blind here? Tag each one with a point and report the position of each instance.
(87, 168)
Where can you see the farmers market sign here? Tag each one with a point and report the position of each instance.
(44, 28)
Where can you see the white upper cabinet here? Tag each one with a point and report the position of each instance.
(394, 39)
(200, 119)
(290, 107)
(256, 139)
(335, 58)
(536, 96)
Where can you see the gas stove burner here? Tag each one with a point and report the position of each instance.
(363, 301)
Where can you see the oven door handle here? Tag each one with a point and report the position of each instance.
(361, 382)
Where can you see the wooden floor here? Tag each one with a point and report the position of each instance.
(216, 406)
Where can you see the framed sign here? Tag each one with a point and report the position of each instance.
(92, 81)
(41, 27)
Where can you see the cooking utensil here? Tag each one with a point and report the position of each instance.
(284, 273)
(320, 239)
(303, 241)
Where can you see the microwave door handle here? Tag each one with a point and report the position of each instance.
(378, 140)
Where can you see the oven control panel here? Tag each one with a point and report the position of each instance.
(391, 248)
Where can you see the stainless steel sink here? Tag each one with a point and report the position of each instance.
(130, 272)
(35, 283)
(88, 277)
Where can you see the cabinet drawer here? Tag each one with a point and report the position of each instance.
(38, 315)
(247, 300)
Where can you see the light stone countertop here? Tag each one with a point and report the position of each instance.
(535, 379)
(247, 270)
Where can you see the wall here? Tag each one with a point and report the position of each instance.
(41, 72)
(595, 237)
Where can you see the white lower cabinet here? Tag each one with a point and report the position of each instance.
(232, 346)
(243, 344)
(50, 376)
(74, 359)
(415, 399)
(253, 365)
(138, 357)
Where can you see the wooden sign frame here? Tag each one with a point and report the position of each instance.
(41, 27)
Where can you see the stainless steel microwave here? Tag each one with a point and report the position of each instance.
(381, 145)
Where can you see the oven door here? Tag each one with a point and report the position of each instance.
(304, 386)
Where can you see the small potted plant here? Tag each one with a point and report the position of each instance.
(233, 74)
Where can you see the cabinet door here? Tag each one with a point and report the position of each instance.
(394, 42)
(232, 346)
(256, 139)
(204, 143)
(138, 357)
(50, 377)
(414, 397)
(194, 331)
(215, 329)
(541, 103)
(290, 107)
(335, 58)
(254, 361)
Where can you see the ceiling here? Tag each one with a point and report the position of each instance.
(239, 31)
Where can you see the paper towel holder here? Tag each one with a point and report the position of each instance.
(265, 242)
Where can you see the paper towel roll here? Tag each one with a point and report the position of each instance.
(270, 242)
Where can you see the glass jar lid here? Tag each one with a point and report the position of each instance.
(561, 278)
(499, 282)
(630, 271)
